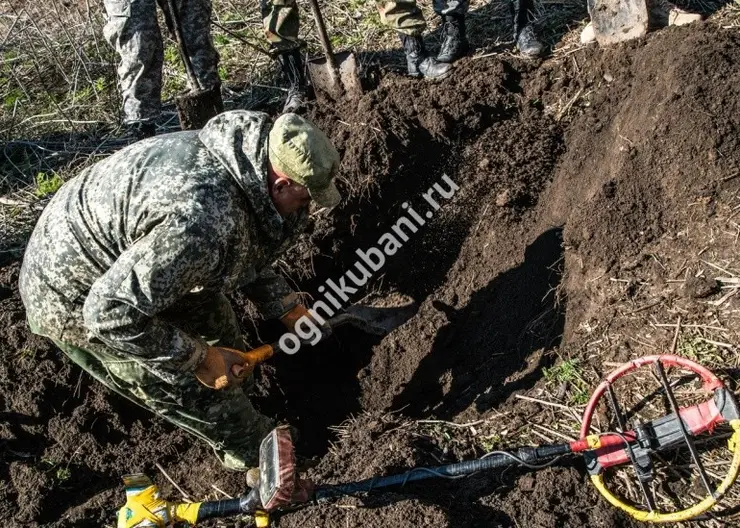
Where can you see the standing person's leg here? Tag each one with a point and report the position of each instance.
(455, 44)
(195, 21)
(281, 22)
(526, 38)
(133, 32)
(405, 17)
(280, 19)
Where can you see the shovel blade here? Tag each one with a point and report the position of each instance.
(344, 81)
(196, 108)
(618, 20)
(376, 320)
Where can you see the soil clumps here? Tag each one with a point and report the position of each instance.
(587, 167)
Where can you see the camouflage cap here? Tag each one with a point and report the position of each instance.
(300, 151)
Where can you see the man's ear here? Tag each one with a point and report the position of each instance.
(280, 184)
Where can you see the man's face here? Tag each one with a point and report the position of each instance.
(288, 196)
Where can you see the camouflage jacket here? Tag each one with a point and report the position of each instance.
(161, 221)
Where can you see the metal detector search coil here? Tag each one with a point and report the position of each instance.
(635, 447)
(610, 449)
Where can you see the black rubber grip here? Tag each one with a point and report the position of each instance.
(225, 508)
(216, 509)
(550, 451)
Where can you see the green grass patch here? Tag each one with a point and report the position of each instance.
(698, 349)
(59, 471)
(47, 184)
(11, 98)
(569, 372)
(489, 443)
(63, 473)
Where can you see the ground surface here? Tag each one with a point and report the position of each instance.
(593, 189)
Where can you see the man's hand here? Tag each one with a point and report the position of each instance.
(223, 367)
(292, 318)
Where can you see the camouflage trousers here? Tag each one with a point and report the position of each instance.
(405, 16)
(225, 419)
(133, 32)
(280, 18)
(281, 21)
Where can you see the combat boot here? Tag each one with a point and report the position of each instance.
(527, 42)
(455, 44)
(292, 65)
(138, 130)
(419, 63)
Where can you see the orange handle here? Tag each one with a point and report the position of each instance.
(252, 359)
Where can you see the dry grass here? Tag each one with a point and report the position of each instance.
(58, 97)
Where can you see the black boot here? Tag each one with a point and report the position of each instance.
(139, 130)
(419, 63)
(455, 44)
(292, 65)
(526, 39)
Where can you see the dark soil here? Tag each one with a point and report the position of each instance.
(643, 139)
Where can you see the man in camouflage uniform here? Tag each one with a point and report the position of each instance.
(406, 18)
(128, 265)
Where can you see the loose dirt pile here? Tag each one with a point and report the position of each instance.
(604, 164)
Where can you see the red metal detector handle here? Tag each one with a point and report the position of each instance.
(612, 449)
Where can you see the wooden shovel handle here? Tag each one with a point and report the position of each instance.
(253, 358)
(324, 39)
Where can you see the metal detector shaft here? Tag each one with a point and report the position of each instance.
(532, 457)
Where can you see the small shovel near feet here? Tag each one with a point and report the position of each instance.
(334, 74)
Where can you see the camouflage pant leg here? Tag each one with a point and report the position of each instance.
(195, 20)
(281, 21)
(403, 16)
(224, 419)
(451, 7)
(133, 32)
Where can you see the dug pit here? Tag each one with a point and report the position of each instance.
(572, 172)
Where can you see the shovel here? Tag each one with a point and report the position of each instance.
(198, 106)
(335, 75)
(371, 320)
(618, 20)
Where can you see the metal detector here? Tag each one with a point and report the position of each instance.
(702, 417)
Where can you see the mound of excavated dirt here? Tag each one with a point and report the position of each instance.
(660, 141)
(566, 172)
